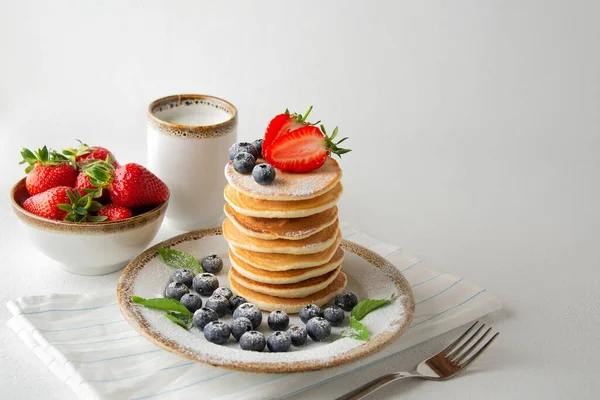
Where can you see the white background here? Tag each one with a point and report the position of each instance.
(475, 127)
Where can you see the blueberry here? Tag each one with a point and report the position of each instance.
(175, 290)
(253, 341)
(235, 301)
(239, 326)
(237, 148)
(263, 174)
(318, 329)
(191, 301)
(205, 284)
(309, 311)
(203, 316)
(185, 276)
(279, 342)
(223, 291)
(249, 311)
(298, 334)
(218, 303)
(258, 146)
(217, 332)
(244, 162)
(346, 301)
(278, 320)
(334, 315)
(212, 263)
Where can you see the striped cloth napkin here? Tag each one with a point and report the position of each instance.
(85, 342)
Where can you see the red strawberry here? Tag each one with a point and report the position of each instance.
(281, 125)
(129, 185)
(113, 212)
(45, 204)
(303, 149)
(83, 182)
(47, 170)
(84, 154)
(63, 203)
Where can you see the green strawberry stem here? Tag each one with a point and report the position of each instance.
(302, 118)
(79, 207)
(41, 156)
(100, 172)
(331, 146)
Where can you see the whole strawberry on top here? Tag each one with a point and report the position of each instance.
(303, 149)
(85, 153)
(129, 185)
(113, 212)
(281, 125)
(64, 203)
(47, 170)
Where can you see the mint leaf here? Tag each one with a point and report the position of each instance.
(179, 259)
(367, 305)
(356, 330)
(183, 320)
(161, 303)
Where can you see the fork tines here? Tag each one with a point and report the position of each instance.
(460, 350)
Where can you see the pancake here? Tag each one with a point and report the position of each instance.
(313, 244)
(292, 306)
(289, 290)
(288, 185)
(282, 277)
(253, 207)
(284, 262)
(281, 228)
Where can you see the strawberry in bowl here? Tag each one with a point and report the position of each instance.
(71, 216)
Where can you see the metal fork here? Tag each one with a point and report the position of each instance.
(444, 365)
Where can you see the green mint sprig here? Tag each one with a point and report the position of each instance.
(368, 305)
(175, 311)
(179, 259)
(356, 330)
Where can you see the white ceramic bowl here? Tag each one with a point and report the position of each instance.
(88, 248)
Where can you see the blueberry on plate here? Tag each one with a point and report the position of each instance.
(239, 326)
(235, 301)
(258, 146)
(318, 329)
(279, 342)
(237, 148)
(244, 162)
(212, 263)
(175, 290)
(203, 316)
(346, 301)
(298, 334)
(263, 174)
(191, 301)
(334, 315)
(278, 320)
(249, 311)
(309, 311)
(185, 276)
(205, 284)
(217, 332)
(218, 304)
(223, 291)
(253, 341)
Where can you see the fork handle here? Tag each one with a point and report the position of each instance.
(375, 385)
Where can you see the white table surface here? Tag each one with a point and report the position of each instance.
(476, 136)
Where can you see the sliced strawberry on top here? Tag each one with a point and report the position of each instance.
(283, 124)
(47, 169)
(304, 149)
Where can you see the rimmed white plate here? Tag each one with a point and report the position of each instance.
(369, 276)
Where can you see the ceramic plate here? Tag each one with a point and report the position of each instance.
(369, 276)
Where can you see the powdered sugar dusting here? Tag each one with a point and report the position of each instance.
(287, 185)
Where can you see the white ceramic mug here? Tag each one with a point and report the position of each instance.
(189, 136)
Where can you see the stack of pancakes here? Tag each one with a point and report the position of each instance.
(284, 238)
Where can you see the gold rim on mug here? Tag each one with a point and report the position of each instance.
(187, 131)
(18, 194)
(133, 315)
